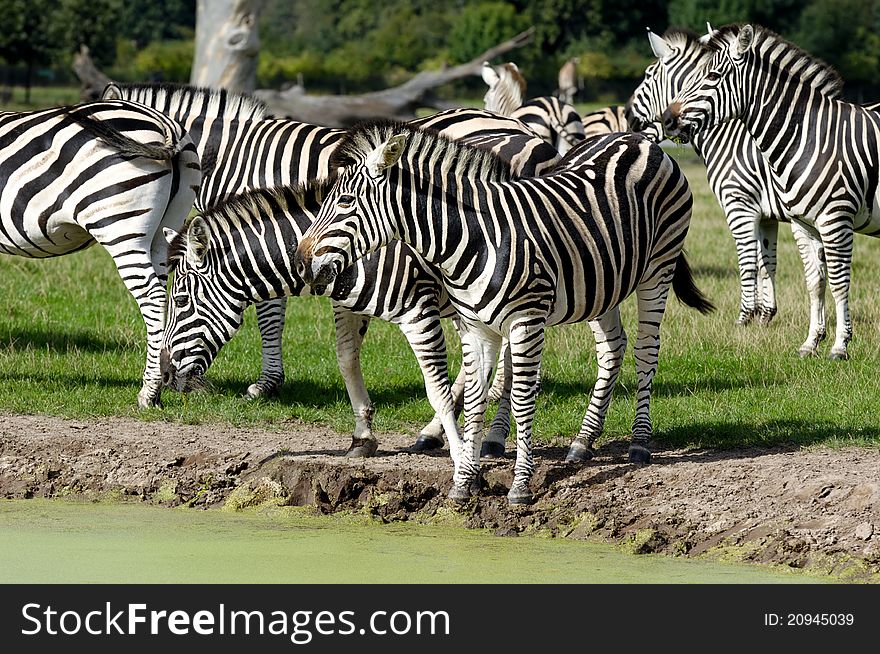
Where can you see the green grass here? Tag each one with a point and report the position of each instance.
(72, 344)
(41, 96)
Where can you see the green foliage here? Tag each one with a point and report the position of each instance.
(90, 22)
(24, 37)
(480, 26)
(169, 61)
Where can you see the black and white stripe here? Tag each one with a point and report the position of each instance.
(822, 152)
(113, 173)
(239, 253)
(517, 256)
(555, 121)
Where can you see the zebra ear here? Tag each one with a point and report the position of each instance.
(659, 46)
(196, 241)
(709, 33)
(386, 155)
(170, 234)
(490, 76)
(112, 92)
(744, 39)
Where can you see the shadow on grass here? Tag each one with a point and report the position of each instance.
(72, 380)
(62, 342)
(776, 434)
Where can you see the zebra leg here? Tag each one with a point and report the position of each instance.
(479, 352)
(813, 258)
(837, 238)
(651, 297)
(425, 337)
(526, 346)
(350, 331)
(493, 442)
(768, 233)
(610, 350)
(270, 319)
(743, 224)
(497, 390)
(431, 436)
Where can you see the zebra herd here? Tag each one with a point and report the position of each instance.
(506, 220)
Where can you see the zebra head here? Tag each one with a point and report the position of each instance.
(356, 216)
(715, 94)
(203, 313)
(680, 55)
(507, 88)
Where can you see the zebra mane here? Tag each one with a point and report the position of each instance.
(797, 62)
(260, 203)
(217, 103)
(512, 76)
(460, 159)
(682, 38)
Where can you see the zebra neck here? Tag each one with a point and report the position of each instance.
(259, 240)
(780, 126)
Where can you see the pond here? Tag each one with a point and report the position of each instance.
(44, 541)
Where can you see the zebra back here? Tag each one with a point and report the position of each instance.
(605, 120)
(240, 148)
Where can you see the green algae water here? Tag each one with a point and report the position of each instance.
(63, 542)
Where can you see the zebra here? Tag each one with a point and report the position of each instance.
(517, 256)
(241, 149)
(739, 177)
(555, 121)
(822, 152)
(112, 173)
(238, 253)
(605, 121)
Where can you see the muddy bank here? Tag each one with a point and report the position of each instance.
(816, 509)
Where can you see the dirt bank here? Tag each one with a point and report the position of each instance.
(816, 509)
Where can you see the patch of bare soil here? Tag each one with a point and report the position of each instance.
(817, 509)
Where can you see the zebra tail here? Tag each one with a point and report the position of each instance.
(686, 289)
(174, 143)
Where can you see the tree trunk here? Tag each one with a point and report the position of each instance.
(397, 102)
(93, 80)
(227, 44)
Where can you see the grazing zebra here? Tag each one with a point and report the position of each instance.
(823, 153)
(605, 121)
(517, 256)
(240, 150)
(112, 173)
(239, 252)
(555, 121)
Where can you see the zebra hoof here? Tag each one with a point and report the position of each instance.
(579, 451)
(639, 454)
(807, 353)
(492, 450)
(426, 444)
(362, 447)
(837, 355)
(460, 493)
(264, 391)
(519, 494)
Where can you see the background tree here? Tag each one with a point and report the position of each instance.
(25, 36)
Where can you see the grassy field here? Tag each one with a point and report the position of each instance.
(72, 344)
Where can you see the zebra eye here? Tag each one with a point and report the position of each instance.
(345, 201)
(182, 300)
(713, 76)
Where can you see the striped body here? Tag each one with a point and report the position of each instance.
(555, 121)
(605, 121)
(517, 256)
(113, 173)
(245, 151)
(245, 248)
(822, 153)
